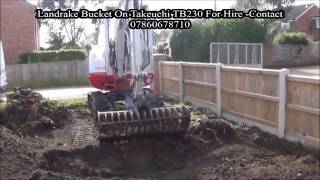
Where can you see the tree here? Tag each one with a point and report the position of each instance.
(245, 5)
(280, 4)
(193, 44)
(55, 40)
(72, 29)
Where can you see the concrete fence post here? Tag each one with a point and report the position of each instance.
(181, 88)
(282, 101)
(218, 89)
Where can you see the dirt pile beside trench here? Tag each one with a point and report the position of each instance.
(16, 155)
(27, 112)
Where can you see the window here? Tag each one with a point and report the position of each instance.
(318, 23)
(285, 26)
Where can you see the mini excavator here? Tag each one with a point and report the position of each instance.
(122, 68)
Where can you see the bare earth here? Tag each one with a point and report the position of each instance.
(72, 152)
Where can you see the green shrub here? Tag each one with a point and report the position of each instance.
(51, 56)
(193, 44)
(69, 55)
(291, 38)
(24, 58)
(49, 106)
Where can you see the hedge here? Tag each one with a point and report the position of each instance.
(291, 38)
(51, 56)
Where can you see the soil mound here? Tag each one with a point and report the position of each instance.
(17, 157)
(254, 135)
(27, 112)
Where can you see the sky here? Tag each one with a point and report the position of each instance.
(173, 4)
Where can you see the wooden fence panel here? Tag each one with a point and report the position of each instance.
(303, 104)
(64, 70)
(207, 93)
(29, 72)
(259, 110)
(253, 82)
(199, 78)
(169, 71)
(251, 95)
(286, 105)
(170, 86)
(199, 73)
(170, 78)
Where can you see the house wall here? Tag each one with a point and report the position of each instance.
(303, 22)
(18, 29)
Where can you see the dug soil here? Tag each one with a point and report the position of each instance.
(212, 149)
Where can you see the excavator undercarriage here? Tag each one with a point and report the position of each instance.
(116, 121)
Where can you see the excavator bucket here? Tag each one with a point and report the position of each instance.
(121, 125)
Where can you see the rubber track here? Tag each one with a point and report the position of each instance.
(84, 133)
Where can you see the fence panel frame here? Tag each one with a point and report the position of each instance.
(237, 45)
